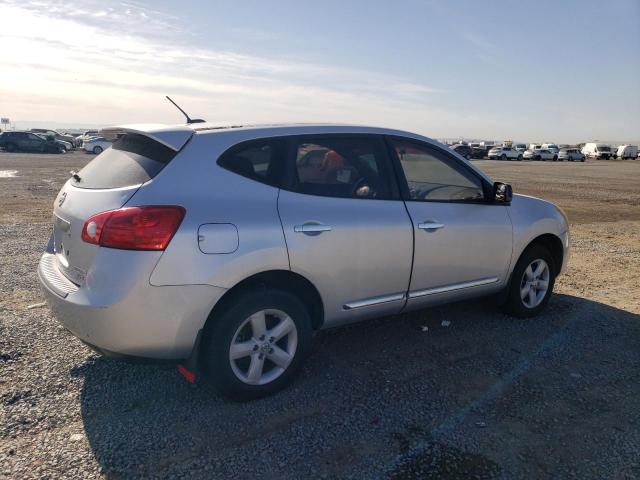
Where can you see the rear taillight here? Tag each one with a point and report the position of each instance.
(134, 228)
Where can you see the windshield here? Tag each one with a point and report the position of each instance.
(602, 148)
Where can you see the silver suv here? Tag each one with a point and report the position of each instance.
(226, 248)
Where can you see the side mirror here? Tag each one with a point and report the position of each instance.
(502, 192)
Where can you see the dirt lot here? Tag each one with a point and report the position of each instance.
(489, 396)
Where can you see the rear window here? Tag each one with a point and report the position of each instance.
(132, 159)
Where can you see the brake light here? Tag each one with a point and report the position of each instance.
(134, 228)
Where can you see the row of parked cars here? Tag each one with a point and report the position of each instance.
(545, 151)
(50, 141)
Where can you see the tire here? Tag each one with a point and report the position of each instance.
(10, 147)
(555, 158)
(519, 158)
(232, 378)
(526, 307)
(582, 159)
(503, 157)
(97, 150)
(61, 149)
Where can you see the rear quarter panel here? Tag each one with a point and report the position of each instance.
(211, 194)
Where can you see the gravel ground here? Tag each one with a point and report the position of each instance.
(489, 396)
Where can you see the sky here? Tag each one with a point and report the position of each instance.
(544, 70)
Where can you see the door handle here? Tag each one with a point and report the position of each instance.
(430, 225)
(312, 228)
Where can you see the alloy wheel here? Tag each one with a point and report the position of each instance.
(263, 347)
(534, 283)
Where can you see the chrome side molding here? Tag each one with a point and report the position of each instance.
(451, 288)
(367, 302)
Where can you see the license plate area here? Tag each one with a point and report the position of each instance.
(61, 242)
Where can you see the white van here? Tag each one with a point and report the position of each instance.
(597, 150)
(627, 151)
(551, 147)
(535, 146)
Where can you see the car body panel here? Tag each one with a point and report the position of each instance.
(532, 217)
(123, 314)
(346, 264)
(447, 257)
(204, 189)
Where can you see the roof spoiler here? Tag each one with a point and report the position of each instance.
(173, 137)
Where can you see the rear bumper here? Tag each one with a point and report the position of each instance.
(123, 314)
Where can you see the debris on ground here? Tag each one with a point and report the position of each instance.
(36, 305)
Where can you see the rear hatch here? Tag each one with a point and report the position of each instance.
(106, 183)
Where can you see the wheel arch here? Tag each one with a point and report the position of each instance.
(285, 280)
(551, 242)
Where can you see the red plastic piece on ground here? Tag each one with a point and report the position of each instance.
(188, 375)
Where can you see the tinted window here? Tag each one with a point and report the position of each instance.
(433, 176)
(259, 160)
(132, 160)
(341, 166)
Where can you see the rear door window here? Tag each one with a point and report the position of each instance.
(341, 166)
(132, 160)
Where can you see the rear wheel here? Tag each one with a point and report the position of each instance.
(519, 158)
(531, 283)
(503, 157)
(256, 345)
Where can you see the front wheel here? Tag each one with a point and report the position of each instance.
(256, 345)
(503, 157)
(519, 158)
(97, 150)
(531, 282)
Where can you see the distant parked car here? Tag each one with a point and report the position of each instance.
(30, 142)
(464, 150)
(627, 151)
(504, 153)
(540, 154)
(87, 135)
(96, 145)
(551, 147)
(571, 155)
(520, 147)
(597, 150)
(478, 152)
(70, 139)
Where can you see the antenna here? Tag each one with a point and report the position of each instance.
(189, 119)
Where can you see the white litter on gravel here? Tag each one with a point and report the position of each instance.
(8, 173)
(36, 305)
